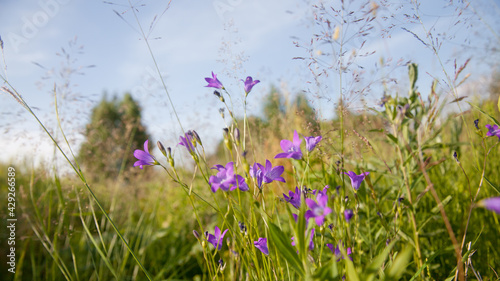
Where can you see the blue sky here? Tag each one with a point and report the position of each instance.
(189, 41)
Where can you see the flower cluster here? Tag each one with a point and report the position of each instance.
(227, 179)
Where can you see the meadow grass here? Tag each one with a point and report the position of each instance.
(410, 212)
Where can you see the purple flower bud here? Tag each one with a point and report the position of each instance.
(161, 148)
(236, 133)
(243, 227)
(492, 204)
(196, 137)
(196, 234)
(476, 123)
(348, 213)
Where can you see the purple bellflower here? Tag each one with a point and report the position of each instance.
(249, 83)
(187, 142)
(311, 142)
(261, 244)
(492, 204)
(226, 179)
(144, 158)
(356, 180)
(266, 174)
(493, 131)
(214, 82)
(348, 213)
(338, 253)
(319, 210)
(293, 198)
(291, 149)
(217, 238)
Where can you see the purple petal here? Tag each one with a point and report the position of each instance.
(492, 204)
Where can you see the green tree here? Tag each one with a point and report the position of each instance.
(114, 131)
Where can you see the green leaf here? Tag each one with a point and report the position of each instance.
(392, 138)
(444, 202)
(399, 265)
(492, 185)
(284, 246)
(378, 262)
(352, 275)
(329, 271)
(428, 261)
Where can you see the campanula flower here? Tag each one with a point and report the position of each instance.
(214, 82)
(493, 131)
(266, 174)
(356, 180)
(318, 210)
(492, 204)
(291, 149)
(226, 179)
(338, 253)
(348, 213)
(249, 83)
(217, 238)
(144, 157)
(187, 142)
(261, 244)
(293, 198)
(311, 142)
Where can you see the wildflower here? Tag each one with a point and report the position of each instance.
(241, 184)
(493, 131)
(321, 192)
(217, 238)
(144, 157)
(214, 82)
(293, 198)
(318, 210)
(226, 179)
(492, 204)
(356, 179)
(187, 142)
(348, 215)
(267, 174)
(311, 142)
(249, 83)
(261, 244)
(338, 253)
(291, 149)
(196, 234)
